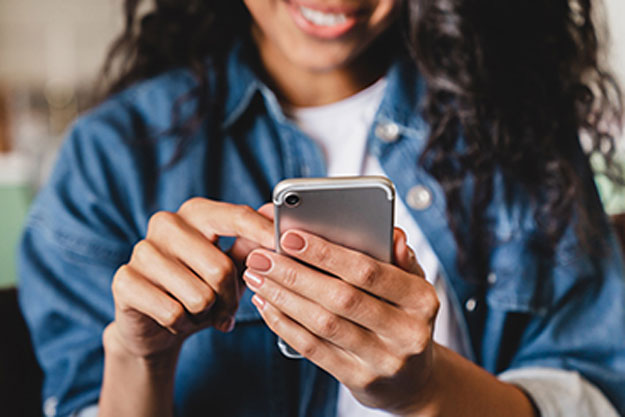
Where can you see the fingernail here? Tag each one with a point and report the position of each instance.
(259, 262)
(258, 302)
(293, 241)
(227, 325)
(252, 280)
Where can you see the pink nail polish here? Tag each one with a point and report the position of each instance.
(258, 302)
(293, 241)
(259, 262)
(254, 281)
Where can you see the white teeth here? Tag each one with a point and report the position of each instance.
(322, 19)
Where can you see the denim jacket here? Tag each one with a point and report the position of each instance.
(539, 319)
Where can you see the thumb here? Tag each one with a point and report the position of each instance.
(242, 247)
(267, 210)
(403, 256)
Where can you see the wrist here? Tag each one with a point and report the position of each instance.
(456, 386)
(135, 385)
(430, 400)
(116, 350)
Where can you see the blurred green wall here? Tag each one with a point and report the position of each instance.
(14, 201)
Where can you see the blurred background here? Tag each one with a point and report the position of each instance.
(50, 55)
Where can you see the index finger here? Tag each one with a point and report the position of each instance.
(378, 278)
(216, 218)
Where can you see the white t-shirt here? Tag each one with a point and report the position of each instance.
(341, 130)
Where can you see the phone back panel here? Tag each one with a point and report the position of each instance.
(355, 212)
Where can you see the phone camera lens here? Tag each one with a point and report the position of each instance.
(292, 200)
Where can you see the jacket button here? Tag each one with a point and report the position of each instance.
(492, 278)
(388, 132)
(470, 304)
(419, 197)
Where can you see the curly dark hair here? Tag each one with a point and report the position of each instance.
(511, 86)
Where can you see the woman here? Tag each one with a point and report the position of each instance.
(516, 304)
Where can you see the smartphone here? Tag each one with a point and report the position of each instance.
(355, 212)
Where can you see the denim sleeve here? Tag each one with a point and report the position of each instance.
(574, 322)
(560, 393)
(75, 238)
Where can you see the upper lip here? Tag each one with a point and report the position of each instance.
(327, 8)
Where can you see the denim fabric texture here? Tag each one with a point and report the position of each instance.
(566, 312)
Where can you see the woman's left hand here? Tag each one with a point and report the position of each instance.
(371, 328)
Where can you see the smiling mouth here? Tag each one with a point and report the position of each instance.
(320, 18)
(324, 22)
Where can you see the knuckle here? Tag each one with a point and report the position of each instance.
(328, 325)
(289, 278)
(308, 348)
(223, 270)
(161, 220)
(119, 286)
(243, 212)
(420, 341)
(142, 251)
(427, 304)
(246, 210)
(201, 302)
(432, 304)
(416, 335)
(191, 205)
(223, 287)
(364, 380)
(347, 300)
(278, 296)
(391, 366)
(367, 273)
(172, 314)
(274, 321)
(421, 344)
(322, 254)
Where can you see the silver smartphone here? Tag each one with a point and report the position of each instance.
(355, 212)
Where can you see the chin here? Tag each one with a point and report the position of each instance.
(320, 59)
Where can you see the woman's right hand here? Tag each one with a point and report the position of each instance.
(178, 281)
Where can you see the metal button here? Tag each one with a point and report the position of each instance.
(492, 278)
(470, 304)
(419, 197)
(388, 132)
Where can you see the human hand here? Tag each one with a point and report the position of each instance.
(371, 328)
(178, 281)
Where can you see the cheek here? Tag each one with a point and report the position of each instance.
(264, 12)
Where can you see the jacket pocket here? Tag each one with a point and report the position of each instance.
(519, 279)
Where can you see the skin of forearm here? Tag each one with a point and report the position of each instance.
(136, 386)
(458, 387)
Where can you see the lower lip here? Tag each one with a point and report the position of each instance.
(323, 32)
